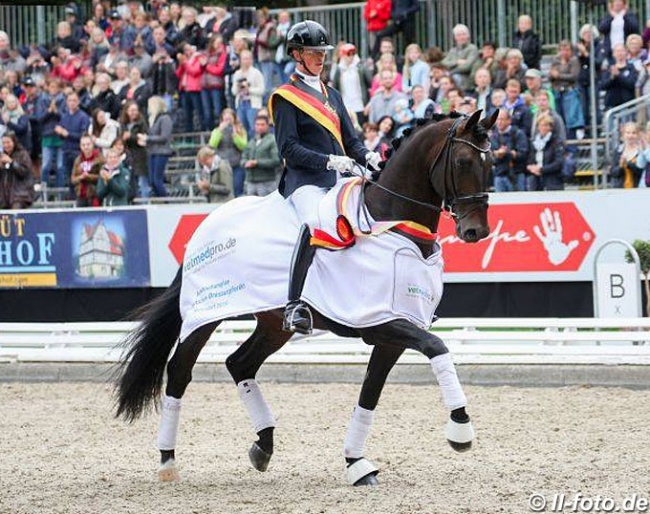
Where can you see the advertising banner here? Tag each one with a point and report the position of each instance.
(74, 249)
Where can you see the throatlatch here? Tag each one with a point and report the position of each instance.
(297, 316)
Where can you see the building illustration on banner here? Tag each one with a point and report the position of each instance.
(101, 252)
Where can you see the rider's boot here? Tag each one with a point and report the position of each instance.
(297, 316)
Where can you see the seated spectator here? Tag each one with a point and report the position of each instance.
(386, 62)
(460, 58)
(37, 67)
(527, 42)
(12, 82)
(546, 158)
(415, 71)
(85, 173)
(14, 119)
(543, 108)
(166, 21)
(510, 153)
(483, 90)
(564, 74)
(445, 85)
(371, 137)
(514, 69)
(16, 178)
(519, 111)
(113, 182)
(85, 97)
(619, 81)
(229, 139)
(158, 143)
(137, 90)
(617, 25)
(103, 130)
(636, 54)
(104, 98)
(629, 160)
(10, 59)
(435, 76)
(214, 177)
(383, 102)
(115, 63)
(386, 126)
(132, 124)
(498, 99)
(422, 107)
(486, 60)
(352, 80)
(403, 116)
(533, 80)
(261, 160)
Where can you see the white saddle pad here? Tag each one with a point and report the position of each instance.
(238, 260)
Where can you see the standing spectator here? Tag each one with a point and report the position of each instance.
(99, 17)
(229, 139)
(628, 161)
(30, 103)
(97, 47)
(16, 178)
(353, 81)
(619, 81)
(546, 158)
(636, 54)
(415, 71)
(65, 66)
(141, 60)
(248, 90)
(483, 90)
(214, 79)
(510, 151)
(158, 143)
(528, 42)
(617, 25)
(286, 64)
(49, 108)
(191, 33)
(533, 80)
(238, 45)
(113, 183)
(74, 123)
(105, 99)
(164, 81)
(132, 123)
(486, 60)
(214, 176)
(403, 20)
(171, 29)
(158, 44)
(103, 130)
(460, 58)
(564, 74)
(519, 111)
(137, 89)
(85, 97)
(261, 161)
(543, 108)
(266, 42)
(384, 101)
(190, 77)
(514, 69)
(65, 39)
(377, 14)
(587, 32)
(14, 119)
(223, 23)
(37, 66)
(85, 173)
(386, 62)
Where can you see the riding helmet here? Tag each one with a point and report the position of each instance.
(308, 35)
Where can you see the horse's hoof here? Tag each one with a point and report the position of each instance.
(259, 458)
(459, 435)
(168, 472)
(362, 472)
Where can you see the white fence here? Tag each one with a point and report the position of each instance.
(471, 341)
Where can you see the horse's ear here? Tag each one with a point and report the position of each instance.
(488, 123)
(473, 120)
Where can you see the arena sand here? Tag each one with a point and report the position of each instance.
(63, 452)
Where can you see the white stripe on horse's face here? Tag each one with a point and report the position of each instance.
(483, 157)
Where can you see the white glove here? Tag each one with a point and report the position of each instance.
(340, 163)
(373, 159)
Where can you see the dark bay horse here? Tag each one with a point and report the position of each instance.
(442, 164)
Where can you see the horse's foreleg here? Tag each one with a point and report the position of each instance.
(243, 365)
(401, 333)
(359, 470)
(179, 375)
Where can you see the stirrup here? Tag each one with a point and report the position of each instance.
(297, 318)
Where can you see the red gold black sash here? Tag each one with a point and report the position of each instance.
(311, 106)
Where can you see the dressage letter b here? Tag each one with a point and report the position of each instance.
(616, 289)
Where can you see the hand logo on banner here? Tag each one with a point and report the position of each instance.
(551, 237)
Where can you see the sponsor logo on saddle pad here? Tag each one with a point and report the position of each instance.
(524, 237)
(419, 292)
(209, 253)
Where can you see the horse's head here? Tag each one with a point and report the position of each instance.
(467, 166)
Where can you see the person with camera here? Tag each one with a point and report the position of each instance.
(248, 90)
(314, 135)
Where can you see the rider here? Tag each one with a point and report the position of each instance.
(314, 135)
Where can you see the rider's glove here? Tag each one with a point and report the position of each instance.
(373, 159)
(340, 163)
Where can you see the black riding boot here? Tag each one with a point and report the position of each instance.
(297, 316)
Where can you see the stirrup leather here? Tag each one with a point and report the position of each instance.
(297, 318)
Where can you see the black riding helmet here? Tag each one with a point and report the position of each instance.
(308, 35)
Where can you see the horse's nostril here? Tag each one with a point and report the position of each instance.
(470, 235)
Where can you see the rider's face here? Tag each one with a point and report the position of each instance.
(314, 60)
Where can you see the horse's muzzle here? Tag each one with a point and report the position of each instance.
(473, 234)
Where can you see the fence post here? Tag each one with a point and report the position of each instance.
(574, 21)
(431, 24)
(40, 23)
(501, 16)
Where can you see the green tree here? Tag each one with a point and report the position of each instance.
(643, 249)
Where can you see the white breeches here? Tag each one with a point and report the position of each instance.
(305, 201)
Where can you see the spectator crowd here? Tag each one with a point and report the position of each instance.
(93, 112)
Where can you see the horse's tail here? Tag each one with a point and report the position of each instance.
(142, 368)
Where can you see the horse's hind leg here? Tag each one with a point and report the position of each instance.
(243, 365)
(403, 334)
(179, 375)
(359, 470)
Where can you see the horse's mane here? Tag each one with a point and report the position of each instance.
(419, 124)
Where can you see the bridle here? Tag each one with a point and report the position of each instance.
(449, 203)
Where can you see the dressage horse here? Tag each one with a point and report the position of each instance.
(442, 164)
